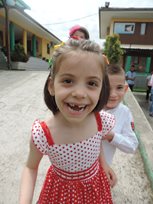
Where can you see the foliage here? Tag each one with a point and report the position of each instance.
(3, 49)
(18, 55)
(112, 49)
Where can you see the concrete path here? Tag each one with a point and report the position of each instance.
(21, 102)
(141, 99)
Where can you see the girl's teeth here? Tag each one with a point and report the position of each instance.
(77, 107)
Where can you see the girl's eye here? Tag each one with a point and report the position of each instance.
(92, 83)
(67, 81)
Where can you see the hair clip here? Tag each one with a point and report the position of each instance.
(59, 45)
(50, 62)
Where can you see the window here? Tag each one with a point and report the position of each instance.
(139, 63)
(37, 45)
(143, 29)
(48, 48)
(1, 39)
(124, 28)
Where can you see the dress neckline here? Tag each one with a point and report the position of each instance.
(50, 138)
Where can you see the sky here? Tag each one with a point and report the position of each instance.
(59, 16)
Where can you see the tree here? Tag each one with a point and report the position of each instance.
(112, 49)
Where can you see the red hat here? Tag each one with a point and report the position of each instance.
(79, 28)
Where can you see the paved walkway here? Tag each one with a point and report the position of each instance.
(140, 97)
(21, 102)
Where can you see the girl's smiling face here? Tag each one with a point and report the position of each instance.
(77, 85)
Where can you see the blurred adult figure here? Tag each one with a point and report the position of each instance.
(148, 80)
(151, 98)
(130, 77)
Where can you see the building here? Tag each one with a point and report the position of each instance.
(135, 28)
(19, 27)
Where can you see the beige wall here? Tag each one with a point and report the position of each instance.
(28, 28)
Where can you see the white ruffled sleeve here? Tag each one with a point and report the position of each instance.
(39, 137)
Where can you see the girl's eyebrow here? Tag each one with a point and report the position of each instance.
(66, 75)
(89, 78)
(95, 78)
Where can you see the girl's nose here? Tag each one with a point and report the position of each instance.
(79, 92)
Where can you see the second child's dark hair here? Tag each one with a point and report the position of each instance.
(65, 50)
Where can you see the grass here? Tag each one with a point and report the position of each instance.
(139, 90)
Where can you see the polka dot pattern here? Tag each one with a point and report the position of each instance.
(74, 159)
(95, 190)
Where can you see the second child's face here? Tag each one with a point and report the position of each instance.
(77, 86)
(117, 90)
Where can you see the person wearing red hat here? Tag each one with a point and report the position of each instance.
(79, 32)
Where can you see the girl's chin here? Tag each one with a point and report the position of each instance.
(72, 113)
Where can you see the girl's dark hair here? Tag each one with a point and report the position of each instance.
(65, 51)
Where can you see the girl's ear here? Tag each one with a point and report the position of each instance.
(51, 86)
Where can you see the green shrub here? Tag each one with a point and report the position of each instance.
(3, 49)
(112, 49)
(18, 55)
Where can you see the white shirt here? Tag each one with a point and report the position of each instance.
(148, 80)
(151, 81)
(132, 75)
(124, 138)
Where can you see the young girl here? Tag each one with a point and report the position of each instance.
(75, 91)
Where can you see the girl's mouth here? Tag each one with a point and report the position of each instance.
(78, 108)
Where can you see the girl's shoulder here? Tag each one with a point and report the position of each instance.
(41, 136)
(105, 116)
(107, 121)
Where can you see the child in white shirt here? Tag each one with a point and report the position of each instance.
(122, 135)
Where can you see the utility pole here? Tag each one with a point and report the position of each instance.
(7, 33)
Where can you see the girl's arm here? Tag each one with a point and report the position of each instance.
(108, 170)
(29, 175)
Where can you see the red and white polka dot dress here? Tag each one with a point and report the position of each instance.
(75, 176)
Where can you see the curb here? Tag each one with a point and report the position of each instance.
(142, 129)
(145, 159)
